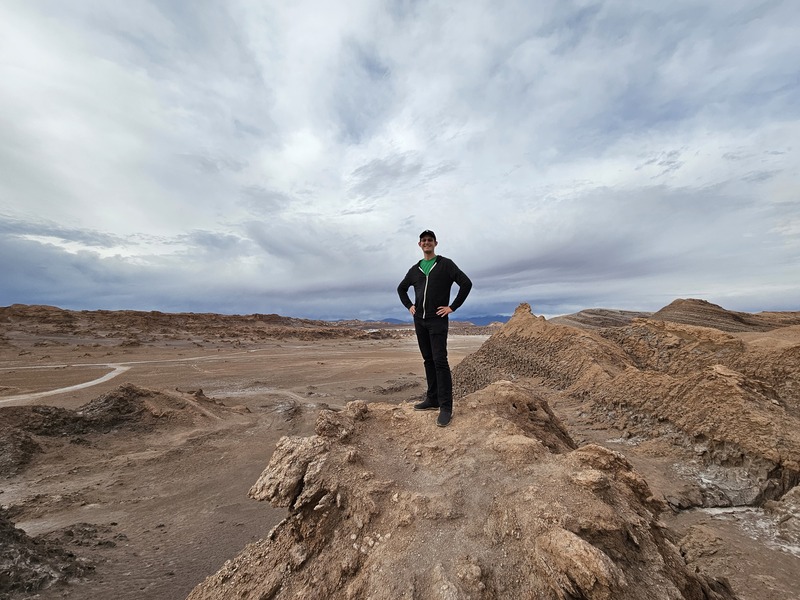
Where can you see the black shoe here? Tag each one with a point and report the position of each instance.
(427, 405)
(444, 418)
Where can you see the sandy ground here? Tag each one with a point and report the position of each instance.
(168, 507)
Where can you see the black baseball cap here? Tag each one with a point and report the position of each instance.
(427, 233)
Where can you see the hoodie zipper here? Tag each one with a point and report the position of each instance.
(425, 292)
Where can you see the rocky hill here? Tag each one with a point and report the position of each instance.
(689, 311)
(382, 504)
(736, 404)
(129, 327)
(705, 314)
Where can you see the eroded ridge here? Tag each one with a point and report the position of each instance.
(383, 504)
(732, 400)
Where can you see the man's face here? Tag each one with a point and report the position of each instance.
(427, 243)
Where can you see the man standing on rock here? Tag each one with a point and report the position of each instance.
(432, 278)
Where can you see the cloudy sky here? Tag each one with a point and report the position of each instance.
(244, 156)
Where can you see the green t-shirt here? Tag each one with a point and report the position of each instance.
(427, 265)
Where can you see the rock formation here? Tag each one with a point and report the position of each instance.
(735, 403)
(383, 504)
(28, 564)
(23, 429)
(134, 328)
(595, 318)
(705, 314)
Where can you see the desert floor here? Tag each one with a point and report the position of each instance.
(165, 508)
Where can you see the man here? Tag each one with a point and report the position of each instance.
(432, 278)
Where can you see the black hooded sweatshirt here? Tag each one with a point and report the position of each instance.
(433, 290)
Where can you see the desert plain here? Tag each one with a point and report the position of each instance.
(596, 455)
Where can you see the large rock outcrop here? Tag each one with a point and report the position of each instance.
(383, 504)
(733, 400)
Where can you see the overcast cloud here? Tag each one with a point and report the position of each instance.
(249, 156)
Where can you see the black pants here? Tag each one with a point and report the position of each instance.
(432, 339)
